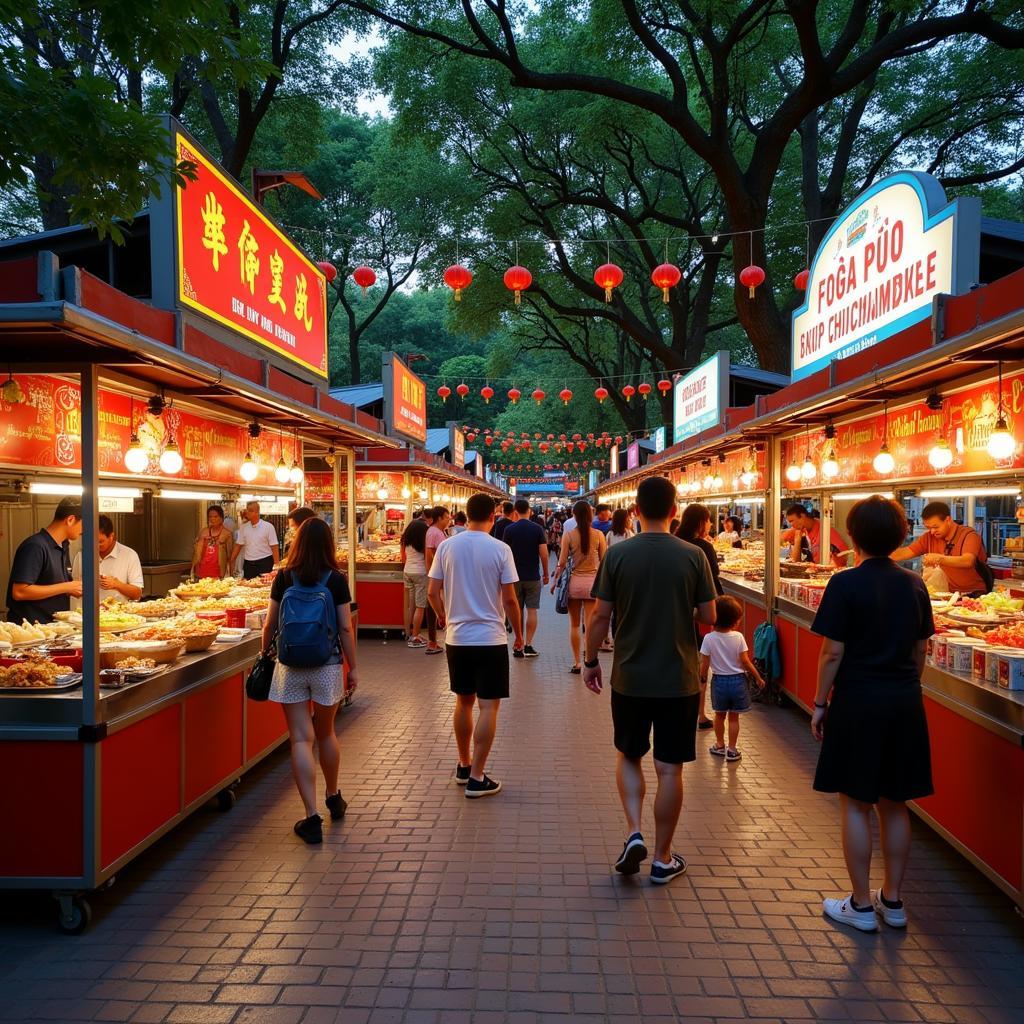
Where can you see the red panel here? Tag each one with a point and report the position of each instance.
(387, 455)
(914, 339)
(815, 384)
(42, 777)
(380, 603)
(364, 419)
(787, 651)
(264, 723)
(808, 649)
(101, 298)
(140, 781)
(966, 312)
(753, 616)
(213, 735)
(979, 789)
(202, 346)
(18, 281)
(285, 384)
(335, 408)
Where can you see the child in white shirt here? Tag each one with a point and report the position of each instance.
(725, 652)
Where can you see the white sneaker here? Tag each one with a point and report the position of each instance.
(843, 912)
(894, 917)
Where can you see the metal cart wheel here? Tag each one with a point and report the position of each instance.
(226, 799)
(74, 914)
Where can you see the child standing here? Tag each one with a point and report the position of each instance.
(724, 651)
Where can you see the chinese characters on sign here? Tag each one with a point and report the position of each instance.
(405, 400)
(236, 266)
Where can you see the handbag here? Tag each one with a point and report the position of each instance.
(562, 589)
(257, 682)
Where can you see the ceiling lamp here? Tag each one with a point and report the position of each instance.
(709, 481)
(1001, 443)
(884, 463)
(136, 458)
(170, 459)
(295, 474)
(941, 455)
(382, 493)
(423, 494)
(718, 483)
(248, 470)
(281, 472)
(793, 473)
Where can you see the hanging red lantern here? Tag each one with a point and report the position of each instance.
(551, 437)
(628, 392)
(329, 270)
(600, 394)
(751, 277)
(365, 278)
(470, 438)
(443, 392)
(618, 440)
(569, 446)
(487, 393)
(514, 394)
(644, 390)
(458, 278)
(537, 436)
(801, 279)
(665, 276)
(664, 386)
(608, 276)
(517, 280)
(462, 390)
(488, 440)
(538, 396)
(565, 395)
(544, 446)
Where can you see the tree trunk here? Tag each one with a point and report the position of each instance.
(54, 208)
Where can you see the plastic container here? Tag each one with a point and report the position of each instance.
(960, 655)
(940, 650)
(1011, 670)
(235, 618)
(978, 661)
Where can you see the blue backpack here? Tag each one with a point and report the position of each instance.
(307, 625)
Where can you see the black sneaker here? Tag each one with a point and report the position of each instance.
(634, 853)
(518, 652)
(529, 652)
(461, 774)
(310, 830)
(486, 787)
(662, 874)
(337, 805)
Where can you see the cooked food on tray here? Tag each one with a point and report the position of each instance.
(132, 662)
(178, 629)
(32, 673)
(162, 609)
(210, 587)
(26, 633)
(110, 620)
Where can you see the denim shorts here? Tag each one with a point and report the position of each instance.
(729, 693)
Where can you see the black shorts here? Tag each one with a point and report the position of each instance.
(674, 720)
(257, 567)
(479, 671)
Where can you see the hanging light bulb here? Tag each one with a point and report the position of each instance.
(884, 463)
(248, 470)
(423, 494)
(680, 487)
(295, 474)
(170, 458)
(709, 482)
(808, 471)
(1001, 443)
(281, 472)
(136, 458)
(406, 493)
(694, 486)
(793, 473)
(941, 455)
(714, 239)
(718, 483)
(830, 465)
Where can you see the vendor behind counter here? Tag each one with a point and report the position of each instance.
(120, 569)
(40, 584)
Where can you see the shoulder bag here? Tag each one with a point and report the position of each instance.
(562, 589)
(257, 683)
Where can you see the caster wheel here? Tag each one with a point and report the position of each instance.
(74, 915)
(108, 884)
(226, 799)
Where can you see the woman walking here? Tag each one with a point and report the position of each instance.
(212, 550)
(875, 620)
(620, 530)
(586, 546)
(694, 527)
(414, 577)
(310, 561)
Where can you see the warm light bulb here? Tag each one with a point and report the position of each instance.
(793, 473)
(748, 476)
(1001, 443)
(281, 472)
(170, 459)
(248, 470)
(830, 465)
(941, 456)
(717, 483)
(295, 474)
(709, 482)
(680, 488)
(695, 487)
(406, 493)
(808, 471)
(884, 462)
(136, 459)
(382, 494)
(423, 494)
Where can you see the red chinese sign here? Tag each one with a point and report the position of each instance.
(236, 266)
(732, 471)
(405, 400)
(45, 432)
(965, 421)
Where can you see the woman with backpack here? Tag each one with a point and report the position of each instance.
(309, 619)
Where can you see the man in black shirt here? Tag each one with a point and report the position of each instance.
(41, 582)
(503, 521)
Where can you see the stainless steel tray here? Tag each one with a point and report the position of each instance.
(68, 682)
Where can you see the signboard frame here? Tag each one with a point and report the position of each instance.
(659, 440)
(706, 418)
(456, 445)
(393, 365)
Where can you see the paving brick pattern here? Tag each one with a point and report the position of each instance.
(425, 907)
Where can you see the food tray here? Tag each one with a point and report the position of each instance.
(975, 618)
(68, 682)
(161, 651)
(116, 678)
(232, 635)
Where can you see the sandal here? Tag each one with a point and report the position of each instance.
(576, 670)
(718, 751)
(732, 754)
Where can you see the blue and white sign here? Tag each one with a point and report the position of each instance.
(896, 247)
(659, 440)
(700, 397)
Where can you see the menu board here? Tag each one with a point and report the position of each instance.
(405, 400)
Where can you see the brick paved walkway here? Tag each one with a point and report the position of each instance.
(424, 906)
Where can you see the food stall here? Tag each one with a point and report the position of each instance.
(918, 396)
(131, 717)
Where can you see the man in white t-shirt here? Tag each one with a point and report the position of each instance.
(472, 588)
(120, 569)
(258, 540)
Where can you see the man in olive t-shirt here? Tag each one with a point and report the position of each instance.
(654, 582)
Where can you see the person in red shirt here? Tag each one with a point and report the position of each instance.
(950, 546)
(804, 537)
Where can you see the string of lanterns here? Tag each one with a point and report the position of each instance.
(601, 393)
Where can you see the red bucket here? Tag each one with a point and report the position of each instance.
(235, 618)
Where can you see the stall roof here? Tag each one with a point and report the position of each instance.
(51, 320)
(360, 396)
